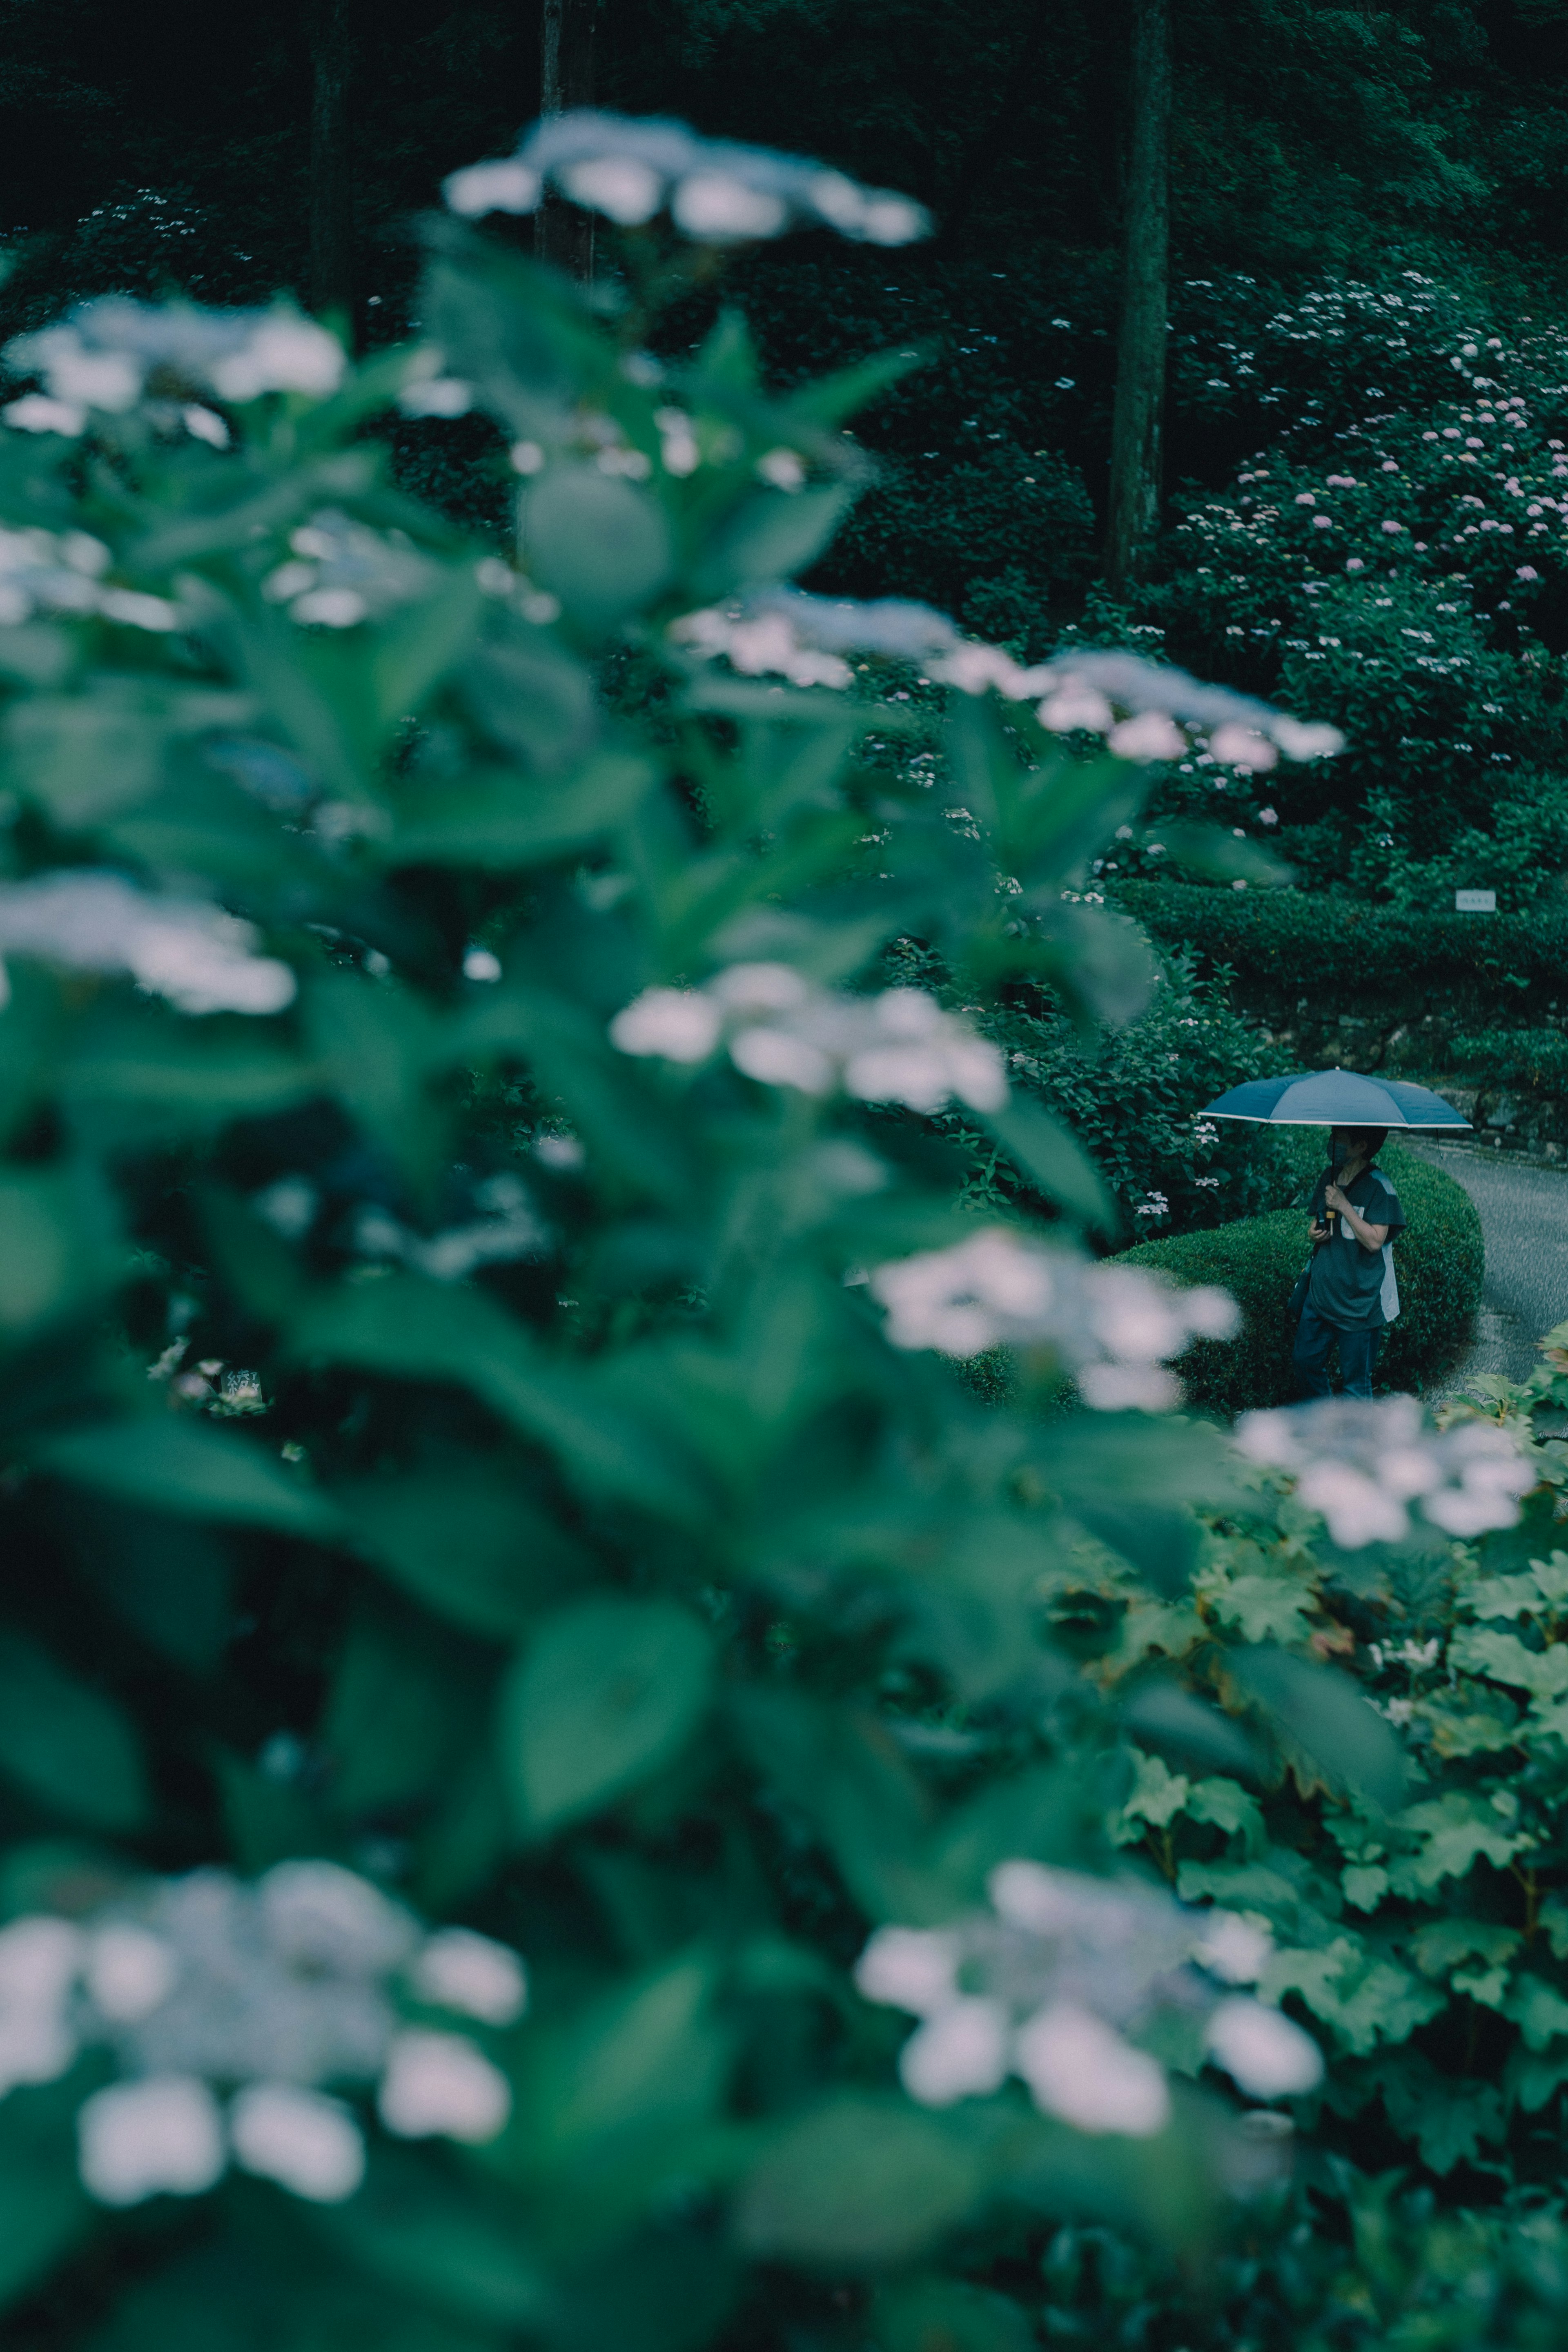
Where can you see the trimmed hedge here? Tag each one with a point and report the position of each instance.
(1438, 1257)
(1282, 944)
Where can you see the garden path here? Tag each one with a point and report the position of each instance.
(1524, 1209)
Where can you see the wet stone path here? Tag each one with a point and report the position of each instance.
(1523, 1210)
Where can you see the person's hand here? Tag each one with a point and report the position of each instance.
(1334, 1199)
(1316, 1234)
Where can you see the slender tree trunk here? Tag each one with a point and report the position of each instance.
(331, 186)
(564, 233)
(1138, 415)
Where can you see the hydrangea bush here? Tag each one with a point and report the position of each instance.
(518, 1621)
(1393, 559)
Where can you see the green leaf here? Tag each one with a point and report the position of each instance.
(83, 757)
(1264, 1608)
(858, 2183)
(1505, 1658)
(69, 1748)
(605, 1694)
(410, 1329)
(56, 1247)
(776, 534)
(1456, 1830)
(595, 541)
(1326, 1716)
(501, 820)
(176, 1465)
(648, 2059)
(43, 2206)
(452, 2241)
(410, 649)
(403, 1702)
(1161, 1544)
(947, 2315)
(466, 1542)
(1053, 1161)
(532, 697)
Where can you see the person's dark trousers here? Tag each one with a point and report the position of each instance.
(1314, 1344)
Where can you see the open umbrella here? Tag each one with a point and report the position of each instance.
(1335, 1098)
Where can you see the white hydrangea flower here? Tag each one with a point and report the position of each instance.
(439, 2084)
(1266, 2055)
(45, 572)
(717, 192)
(102, 357)
(39, 412)
(911, 1967)
(456, 1969)
(130, 1972)
(898, 1046)
(198, 957)
(677, 1025)
(507, 186)
(961, 2051)
(203, 1984)
(1081, 2070)
(1057, 1982)
(39, 1961)
(1112, 1326)
(137, 2140)
(318, 1915)
(1234, 1949)
(307, 2143)
(1361, 1464)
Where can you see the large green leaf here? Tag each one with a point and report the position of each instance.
(605, 1694)
(174, 1464)
(466, 1540)
(775, 534)
(1053, 1161)
(1322, 1713)
(410, 1329)
(599, 544)
(43, 2206)
(501, 820)
(68, 1747)
(646, 2061)
(54, 1245)
(860, 2183)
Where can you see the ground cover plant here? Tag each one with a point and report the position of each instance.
(525, 1664)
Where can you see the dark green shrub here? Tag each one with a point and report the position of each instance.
(1438, 1257)
(1379, 983)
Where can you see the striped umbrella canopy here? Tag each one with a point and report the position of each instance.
(1336, 1098)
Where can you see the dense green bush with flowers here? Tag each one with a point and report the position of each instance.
(1393, 559)
(525, 1665)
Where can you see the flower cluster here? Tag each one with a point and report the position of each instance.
(1144, 711)
(203, 1987)
(106, 354)
(506, 1229)
(1052, 1981)
(62, 572)
(898, 1046)
(195, 955)
(339, 573)
(717, 193)
(1114, 1326)
(1362, 1465)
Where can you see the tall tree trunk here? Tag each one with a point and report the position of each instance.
(564, 233)
(331, 186)
(1138, 415)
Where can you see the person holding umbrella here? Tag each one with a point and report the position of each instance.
(1352, 1292)
(1349, 1294)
